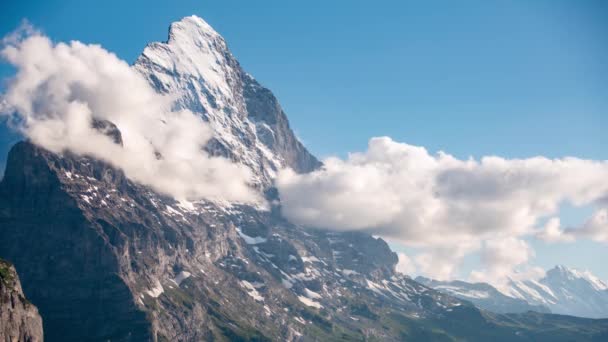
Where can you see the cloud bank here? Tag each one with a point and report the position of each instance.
(449, 207)
(60, 89)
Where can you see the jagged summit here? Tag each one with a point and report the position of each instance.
(193, 49)
(196, 68)
(565, 274)
(194, 23)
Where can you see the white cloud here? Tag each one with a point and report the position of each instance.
(504, 259)
(552, 232)
(25, 29)
(446, 206)
(595, 228)
(442, 262)
(60, 88)
(405, 265)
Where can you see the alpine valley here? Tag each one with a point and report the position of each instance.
(106, 259)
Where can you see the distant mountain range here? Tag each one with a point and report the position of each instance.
(562, 290)
(483, 295)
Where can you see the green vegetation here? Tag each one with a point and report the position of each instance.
(180, 297)
(6, 274)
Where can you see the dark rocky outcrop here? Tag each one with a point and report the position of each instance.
(68, 269)
(19, 319)
(108, 128)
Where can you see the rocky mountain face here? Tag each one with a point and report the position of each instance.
(565, 291)
(105, 258)
(19, 319)
(483, 295)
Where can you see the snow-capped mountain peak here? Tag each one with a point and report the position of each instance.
(565, 291)
(197, 24)
(196, 68)
(195, 49)
(564, 273)
(194, 54)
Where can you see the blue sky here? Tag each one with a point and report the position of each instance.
(473, 78)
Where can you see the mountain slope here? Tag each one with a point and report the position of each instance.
(483, 296)
(105, 258)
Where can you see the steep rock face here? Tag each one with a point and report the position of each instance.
(483, 295)
(69, 270)
(19, 319)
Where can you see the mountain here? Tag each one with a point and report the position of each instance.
(565, 291)
(19, 319)
(105, 258)
(483, 295)
(561, 291)
(250, 127)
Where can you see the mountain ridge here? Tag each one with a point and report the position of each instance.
(562, 290)
(565, 291)
(483, 295)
